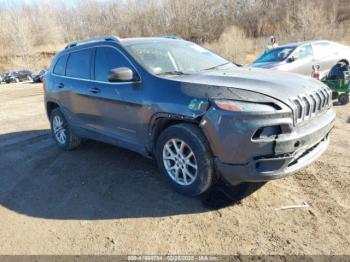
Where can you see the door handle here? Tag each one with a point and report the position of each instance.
(60, 85)
(94, 90)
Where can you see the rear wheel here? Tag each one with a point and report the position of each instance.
(343, 99)
(62, 132)
(185, 159)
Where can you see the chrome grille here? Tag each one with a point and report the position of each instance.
(308, 105)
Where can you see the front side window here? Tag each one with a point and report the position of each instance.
(78, 64)
(60, 66)
(303, 52)
(106, 59)
(162, 57)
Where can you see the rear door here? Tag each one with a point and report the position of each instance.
(79, 91)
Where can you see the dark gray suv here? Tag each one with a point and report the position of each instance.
(198, 115)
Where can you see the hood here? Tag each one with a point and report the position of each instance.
(281, 86)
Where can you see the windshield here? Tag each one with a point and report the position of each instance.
(275, 55)
(175, 57)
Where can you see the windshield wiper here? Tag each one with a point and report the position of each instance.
(213, 67)
(172, 73)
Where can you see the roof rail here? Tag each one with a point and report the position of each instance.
(92, 40)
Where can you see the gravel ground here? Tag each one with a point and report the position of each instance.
(101, 199)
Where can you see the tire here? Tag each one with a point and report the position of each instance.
(30, 78)
(71, 140)
(343, 99)
(335, 95)
(194, 141)
(16, 80)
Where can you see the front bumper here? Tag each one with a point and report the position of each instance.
(241, 159)
(266, 169)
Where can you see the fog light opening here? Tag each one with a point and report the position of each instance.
(269, 132)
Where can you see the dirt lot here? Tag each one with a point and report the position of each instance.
(100, 199)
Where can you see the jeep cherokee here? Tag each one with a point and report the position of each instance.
(199, 115)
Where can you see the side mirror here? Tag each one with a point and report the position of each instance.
(291, 59)
(121, 74)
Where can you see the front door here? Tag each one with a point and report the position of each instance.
(303, 62)
(120, 101)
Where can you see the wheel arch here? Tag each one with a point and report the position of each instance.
(162, 121)
(50, 106)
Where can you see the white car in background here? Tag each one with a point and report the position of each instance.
(300, 57)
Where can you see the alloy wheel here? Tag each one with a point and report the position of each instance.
(180, 162)
(59, 129)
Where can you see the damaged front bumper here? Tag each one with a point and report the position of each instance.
(241, 158)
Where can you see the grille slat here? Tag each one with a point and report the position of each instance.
(313, 110)
(307, 107)
(323, 97)
(319, 101)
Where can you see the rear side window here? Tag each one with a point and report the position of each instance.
(106, 59)
(78, 64)
(60, 66)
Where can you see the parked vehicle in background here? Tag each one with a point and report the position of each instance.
(37, 78)
(18, 76)
(300, 57)
(23, 75)
(197, 114)
(11, 77)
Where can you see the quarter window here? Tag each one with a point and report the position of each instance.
(60, 66)
(108, 58)
(78, 64)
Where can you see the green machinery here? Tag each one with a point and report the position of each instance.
(340, 89)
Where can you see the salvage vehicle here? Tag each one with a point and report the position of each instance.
(10, 77)
(200, 116)
(300, 57)
(18, 76)
(37, 78)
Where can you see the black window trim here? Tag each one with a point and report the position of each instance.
(139, 79)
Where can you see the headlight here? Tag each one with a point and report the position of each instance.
(238, 106)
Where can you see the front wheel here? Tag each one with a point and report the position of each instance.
(185, 160)
(62, 132)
